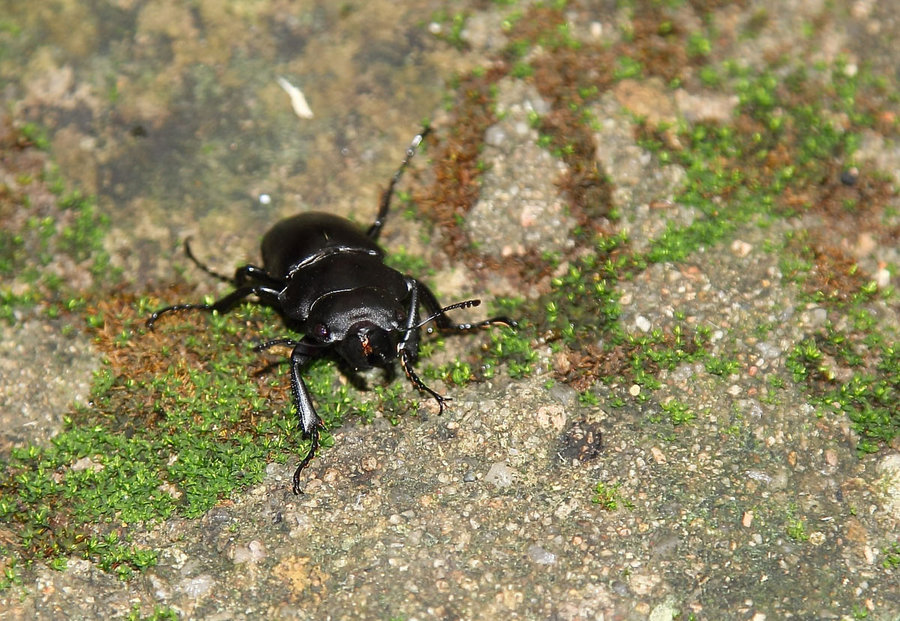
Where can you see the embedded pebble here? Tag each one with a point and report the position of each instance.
(541, 556)
(500, 475)
(741, 248)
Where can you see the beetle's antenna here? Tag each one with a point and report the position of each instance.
(433, 316)
(375, 229)
(463, 327)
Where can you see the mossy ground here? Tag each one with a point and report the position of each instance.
(187, 416)
(788, 152)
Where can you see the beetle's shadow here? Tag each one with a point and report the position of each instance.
(356, 379)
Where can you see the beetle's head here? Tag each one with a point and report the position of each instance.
(363, 326)
(368, 345)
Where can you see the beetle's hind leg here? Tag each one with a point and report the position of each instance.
(245, 274)
(375, 229)
(249, 280)
(208, 270)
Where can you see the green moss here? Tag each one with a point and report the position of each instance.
(29, 252)
(452, 26)
(722, 366)
(627, 67)
(401, 260)
(698, 44)
(735, 173)
(891, 556)
(160, 613)
(679, 413)
(158, 443)
(796, 529)
(869, 390)
(36, 135)
(775, 159)
(456, 372)
(522, 70)
(609, 497)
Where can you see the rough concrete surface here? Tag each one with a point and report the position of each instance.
(758, 508)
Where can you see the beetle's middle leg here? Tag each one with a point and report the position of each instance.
(223, 305)
(406, 363)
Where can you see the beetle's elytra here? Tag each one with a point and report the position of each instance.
(328, 278)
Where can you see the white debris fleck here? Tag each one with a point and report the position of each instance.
(298, 100)
(265, 199)
(253, 552)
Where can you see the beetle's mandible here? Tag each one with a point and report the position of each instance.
(327, 277)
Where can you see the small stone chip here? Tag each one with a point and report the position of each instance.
(500, 475)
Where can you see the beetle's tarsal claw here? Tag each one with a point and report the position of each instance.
(313, 447)
(503, 321)
(441, 400)
(295, 486)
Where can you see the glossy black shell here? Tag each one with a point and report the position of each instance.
(303, 237)
(324, 260)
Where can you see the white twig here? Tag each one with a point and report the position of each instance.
(298, 101)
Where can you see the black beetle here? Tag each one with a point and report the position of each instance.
(328, 279)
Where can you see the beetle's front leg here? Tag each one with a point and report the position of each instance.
(408, 348)
(303, 352)
(406, 363)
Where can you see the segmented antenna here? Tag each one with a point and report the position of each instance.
(433, 316)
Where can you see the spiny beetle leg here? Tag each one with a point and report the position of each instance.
(419, 384)
(223, 305)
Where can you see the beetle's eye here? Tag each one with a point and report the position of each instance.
(320, 331)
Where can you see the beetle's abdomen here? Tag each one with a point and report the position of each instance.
(300, 238)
